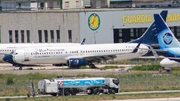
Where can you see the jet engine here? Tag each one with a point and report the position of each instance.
(75, 62)
(169, 63)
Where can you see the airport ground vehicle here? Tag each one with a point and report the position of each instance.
(72, 86)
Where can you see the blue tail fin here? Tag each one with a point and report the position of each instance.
(150, 35)
(166, 38)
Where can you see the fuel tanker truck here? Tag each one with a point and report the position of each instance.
(72, 86)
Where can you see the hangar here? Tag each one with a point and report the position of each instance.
(96, 25)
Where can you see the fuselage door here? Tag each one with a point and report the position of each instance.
(26, 55)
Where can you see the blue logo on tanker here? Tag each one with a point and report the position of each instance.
(167, 38)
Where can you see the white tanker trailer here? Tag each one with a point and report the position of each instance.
(72, 86)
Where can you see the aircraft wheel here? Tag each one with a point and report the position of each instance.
(92, 66)
(168, 71)
(20, 68)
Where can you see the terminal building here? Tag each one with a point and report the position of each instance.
(96, 25)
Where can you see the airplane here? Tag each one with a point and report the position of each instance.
(168, 43)
(76, 56)
(8, 48)
(149, 31)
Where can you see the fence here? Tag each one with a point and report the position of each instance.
(13, 88)
(150, 82)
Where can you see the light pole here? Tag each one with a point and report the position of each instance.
(63, 79)
(147, 75)
(58, 35)
(95, 36)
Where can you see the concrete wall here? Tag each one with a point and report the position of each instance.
(40, 21)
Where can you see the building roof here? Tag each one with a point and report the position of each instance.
(78, 10)
(151, 0)
(113, 1)
(28, 0)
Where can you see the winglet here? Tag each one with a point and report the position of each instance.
(136, 49)
(82, 43)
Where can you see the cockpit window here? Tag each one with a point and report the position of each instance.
(116, 81)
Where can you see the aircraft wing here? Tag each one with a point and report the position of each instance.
(99, 58)
(103, 57)
(92, 58)
(161, 50)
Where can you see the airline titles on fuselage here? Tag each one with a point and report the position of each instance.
(48, 52)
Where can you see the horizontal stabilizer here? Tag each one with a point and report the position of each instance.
(155, 45)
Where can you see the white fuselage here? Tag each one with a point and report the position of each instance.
(57, 55)
(6, 49)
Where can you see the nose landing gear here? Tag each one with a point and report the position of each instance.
(20, 68)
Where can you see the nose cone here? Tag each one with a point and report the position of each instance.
(8, 58)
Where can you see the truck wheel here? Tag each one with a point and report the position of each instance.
(54, 94)
(60, 93)
(72, 92)
(96, 91)
(111, 91)
(67, 92)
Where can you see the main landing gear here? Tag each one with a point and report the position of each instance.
(168, 70)
(20, 68)
(92, 65)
